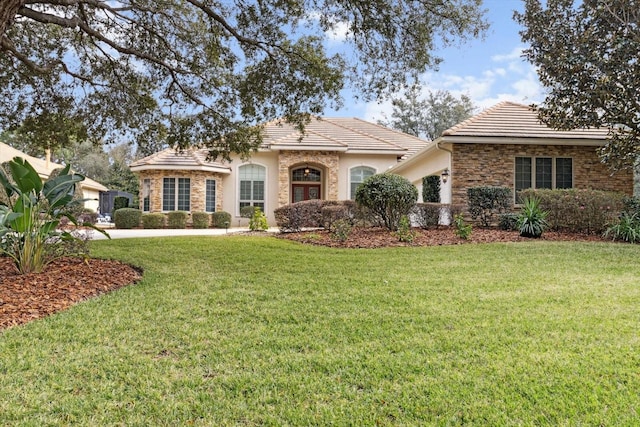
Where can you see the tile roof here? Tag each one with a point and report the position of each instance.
(7, 153)
(170, 159)
(511, 120)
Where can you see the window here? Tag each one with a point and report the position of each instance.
(543, 172)
(252, 178)
(210, 195)
(357, 176)
(146, 192)
(311, 175)
(176, 194)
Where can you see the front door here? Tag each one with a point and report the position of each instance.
(303, 192)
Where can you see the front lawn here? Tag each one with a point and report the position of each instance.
(241, 330)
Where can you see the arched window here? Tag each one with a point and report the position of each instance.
(357, 176)
(252, 184)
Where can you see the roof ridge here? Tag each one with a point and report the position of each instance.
(377, 138)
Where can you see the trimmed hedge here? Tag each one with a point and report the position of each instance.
(579, 211)
(389, 197)
(313, 214)
(127, 218)
(220, 219)
(153, 220)
(431, 189)
(177, 219)
(486, 202)
(200, 219)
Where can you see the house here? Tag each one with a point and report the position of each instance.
(90, 189)
(508, 146)
(328, 162)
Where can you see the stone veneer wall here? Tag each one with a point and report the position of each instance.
(327, 161)
(476, 165)
(198, 189)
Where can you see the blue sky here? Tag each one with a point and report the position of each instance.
(489, 71)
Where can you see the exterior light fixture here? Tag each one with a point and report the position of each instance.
(445, 175)
(307, 171)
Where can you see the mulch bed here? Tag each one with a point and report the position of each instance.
(64, 282)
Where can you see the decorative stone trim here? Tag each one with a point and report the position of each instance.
(327, 162)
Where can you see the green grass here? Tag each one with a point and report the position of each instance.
(258, 331)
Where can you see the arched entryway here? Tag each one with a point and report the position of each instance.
(306, 184)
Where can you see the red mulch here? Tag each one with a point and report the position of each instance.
(64, 282)
(378, 237)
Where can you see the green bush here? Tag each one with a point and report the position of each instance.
(461, 228)
(221, 219)
(486, 202)
(508, 221)
(532, 219)
(258, 222)
(333, 213)
(127, 218)
(388, 197)
(153, 220)
(119, 202)
(405, 233)
(627, 228)
(427, 215)
(341, 230)
(177, 219)
(431, 189)
(247, 211)
(579, 211)
(200, 219)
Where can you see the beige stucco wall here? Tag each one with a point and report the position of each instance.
(494, 165)
(93, 197)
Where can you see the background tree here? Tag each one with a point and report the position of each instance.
(200, 70)
(427, 117)
(587, 57)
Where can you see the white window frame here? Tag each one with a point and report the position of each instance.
(176, 193)
(251, 201)
(352, 191)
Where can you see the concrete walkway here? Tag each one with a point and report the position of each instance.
(126, 234)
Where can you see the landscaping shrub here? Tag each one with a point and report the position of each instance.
(532, 219)
(486, 202)
(388, 197)
(153, 220)
(333, 213)
(295, 216)
(221, 219)
(427, 215)
(119, 202)
(177, 219)
(508, 221)
(405, 233)
(88, 216)
(258, 222)
(431, 189)
(200, 219)
(627, 228)
(341, 230)
(127, 218)
(247, 211)
(461, 228)
(579, 211)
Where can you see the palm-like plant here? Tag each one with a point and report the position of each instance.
(30, 218)
(532, 220)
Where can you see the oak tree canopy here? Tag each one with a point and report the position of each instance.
(198, 71)
(588, 57)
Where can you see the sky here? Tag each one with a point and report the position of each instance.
(488, 70)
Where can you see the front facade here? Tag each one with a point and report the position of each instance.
(507, 146)
(332, 159)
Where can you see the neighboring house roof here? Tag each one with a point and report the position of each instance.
(517, 123)
(43, 167)
(348, 135)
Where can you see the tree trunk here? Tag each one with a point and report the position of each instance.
(8, 10)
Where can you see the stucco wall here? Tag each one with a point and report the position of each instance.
(494, 165)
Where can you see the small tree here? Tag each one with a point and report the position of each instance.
(388, 197)
(431, 189)
(30, 218)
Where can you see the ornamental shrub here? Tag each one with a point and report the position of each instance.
(427, 215)
(579, 211)
(508, 221)
(177, 219)
(221, 219)
(200, 219)
(153, 220)
(119, 202)
(486, 202)
(532, 219)
(627, 228)
(127, 218)
(247, 211)
(333, 213)
(388, 197)
(461, 228)
(405, 233)
(258, 222)
(431, 189)
(341, 230)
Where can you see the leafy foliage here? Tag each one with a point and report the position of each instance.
(388, 197)
(427, 215)
(341, 230)
(177, 219)
(431, 189)
(461, 228)
(486, 202)
(258, 221)
(32, 214)
(587, 56)
(404, 232)
(127, 218)
(427, 117)
(532, 220)
(153, 220)
(200, 219)
(191, 71)
(221, 219)
(627, 228)
(508, 221)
